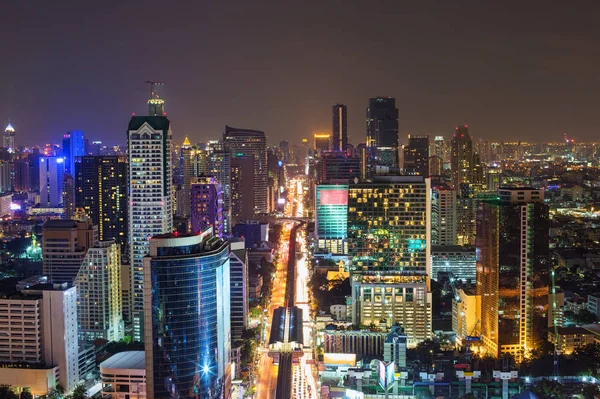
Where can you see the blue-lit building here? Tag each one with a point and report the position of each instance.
(187, 324)
(51, 173)
(73, 146)
(331, 222)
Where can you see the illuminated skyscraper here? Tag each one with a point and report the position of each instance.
(322, 142)
(461, 157)
(331, 221)
(73, 146)
(512, 270)
(150, 198)
(101, 191)
(9, 137)
(51, 181)
(382, 131)
(218, 165)
(246, 142)
(242, 189)
(443, 215)
(187, 334)
(416, 155)
(339, 127)
(389, 247)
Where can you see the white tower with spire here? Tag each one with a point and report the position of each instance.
(9, 137)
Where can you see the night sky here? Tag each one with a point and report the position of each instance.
(510, 70)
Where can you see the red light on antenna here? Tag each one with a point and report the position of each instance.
(133, 114)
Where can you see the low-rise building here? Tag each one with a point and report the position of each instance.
(567, 339)
(124, 375)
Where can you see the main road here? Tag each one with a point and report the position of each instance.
(267, 372)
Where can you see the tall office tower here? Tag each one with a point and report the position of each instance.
(218, 165)
(284, 151)
(207, 206)
(461, 157)
(336, 165)
(5, 177)
(64, 246)
(478, 170)
(339, 127)
(187, 155)
(436, 166)
(253, 143)
(100, 304)
(416, 155)
(9, 137)
(331, 218)
(466, 209)
(321, 143)
(389, 228)
(512, 269)
(40, 327)
(187, 349)
(273, 169)
(21, 181)
(51, 181)
(382, 131)
(101, 191)
(438, 148)
(238, 264)
(68, 197)
(150, 196)
(73, 146)
(443, 215)
(242, 189)
(34, 169)
(493, 178)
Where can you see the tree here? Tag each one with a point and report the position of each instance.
(79, 392)
(7, 393)
(590, 391)
(468, 396)
(548, 389)
(57, 393)
(26, 394)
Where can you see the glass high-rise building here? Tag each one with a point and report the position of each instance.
(187, 329)
(389, 228)
(246, 142)
(150, 198)
(73, 146)
(339, 127)
(101, 191)
(512, 270)
(331, 221)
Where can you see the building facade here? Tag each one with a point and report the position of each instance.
(150, 198)
(382, 131)
(461, 157)
(389, 236)
(246, 142)
(339, 127)
(416, 155)
(73, 146)
(187, 335)
(331, 221)
(207, 206)
(101, 190)
(512, 270)
(443, 215)
(238, 265)
(51, 171)
(100, 303)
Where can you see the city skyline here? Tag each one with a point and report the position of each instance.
(499, 72)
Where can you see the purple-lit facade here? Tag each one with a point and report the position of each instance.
(207, 206)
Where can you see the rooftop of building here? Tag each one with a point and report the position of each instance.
(60, 224)
(126, 360)
(570, 330)
(156, 122)
(443, 249)
(593, 328)
(240, 131)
